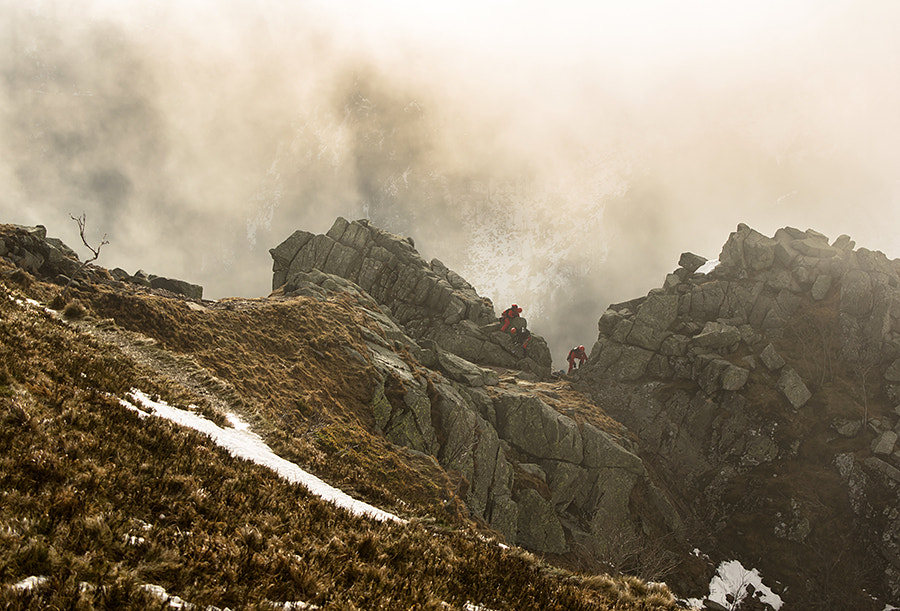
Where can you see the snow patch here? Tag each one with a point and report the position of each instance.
(707, 267)
(241, 442)
(173, 602)
(733, 579)
(30, 583)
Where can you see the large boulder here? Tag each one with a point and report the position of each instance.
(538, 526)
(426, 298)
(192, 291)
(535, 428)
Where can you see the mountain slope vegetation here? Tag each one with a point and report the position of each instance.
(107, 510)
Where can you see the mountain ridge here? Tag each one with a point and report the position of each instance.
(701, 419)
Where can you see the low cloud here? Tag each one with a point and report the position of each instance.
(550, 170)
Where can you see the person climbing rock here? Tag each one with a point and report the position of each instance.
(509, 315)
(578, 354)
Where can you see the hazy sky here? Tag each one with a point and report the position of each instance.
(557, 154)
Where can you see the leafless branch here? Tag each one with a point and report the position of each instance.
(81, 220)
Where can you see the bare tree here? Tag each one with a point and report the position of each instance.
(81, 222)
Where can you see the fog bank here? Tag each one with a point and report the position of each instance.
(556, 155)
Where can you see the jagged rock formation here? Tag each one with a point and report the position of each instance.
(30, 249)
(173, 285)
(429, 300)
(453, 387)
(763, 367)
(542, 479)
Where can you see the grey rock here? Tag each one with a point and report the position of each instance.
(791, 385)
(570, 485)
(846, 427)
(609, 320)
(601, 450)
(706, 300)
(504, 517)
(885, 469)
(884, 443)
(674, 345)
(644, 336)
(534, 427)
(820, 287)
(691, 262)
(461, 370)
(193, 291)
(843, 242)
(283, 255)
(734, 378)
(717, 335)
(815, 245)
(856, 293)
(632, 363)
(771, 359)
(535, 470)
(654, 316)
(538, 527)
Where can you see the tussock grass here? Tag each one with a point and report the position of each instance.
(102, 502)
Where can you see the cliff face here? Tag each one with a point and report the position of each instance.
(746, 409)
(430, 301)
(105, 505)
(401, 387)
(763, 393)
(536, 461)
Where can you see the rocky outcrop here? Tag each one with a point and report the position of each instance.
(538, 477)
(496, 435)
(30, 249)
(429, 300)
(735, 374)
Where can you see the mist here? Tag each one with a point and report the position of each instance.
(557, 155)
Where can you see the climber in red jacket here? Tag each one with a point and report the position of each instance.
(576, 353)
(509, 315)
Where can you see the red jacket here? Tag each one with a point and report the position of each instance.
(577, 353)
(511, 313)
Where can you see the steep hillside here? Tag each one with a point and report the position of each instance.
(103, 508)
(763, 393)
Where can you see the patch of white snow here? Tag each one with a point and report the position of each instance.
(241, 442)
(707, 267)
(173, 602)
(732, 578)
(30, 583)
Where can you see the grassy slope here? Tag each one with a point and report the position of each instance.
(102, 502)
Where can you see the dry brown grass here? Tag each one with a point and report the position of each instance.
(102, 502)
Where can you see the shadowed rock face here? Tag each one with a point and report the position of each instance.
(748, 383)
(541, 479)
(430, 301)
(544, 480)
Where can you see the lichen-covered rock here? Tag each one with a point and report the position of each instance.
(793, 388)
(538, 430)
(538, 527)
(771, 359)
